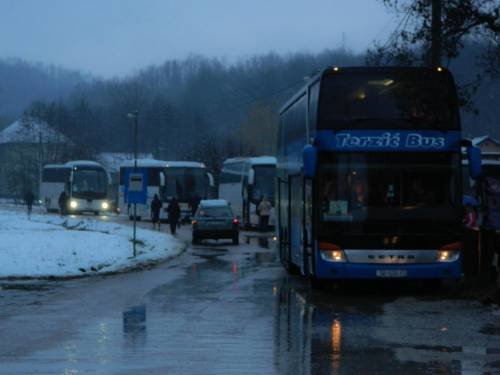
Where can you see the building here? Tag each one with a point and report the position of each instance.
(490, 147)
(25, 146)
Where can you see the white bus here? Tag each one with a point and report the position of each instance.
(244, 181)
(187, 181)
(86, 184)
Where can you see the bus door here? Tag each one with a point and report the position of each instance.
(296, 219)
(308, 245)
(283, 219)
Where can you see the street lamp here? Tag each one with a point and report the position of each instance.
(135, 116)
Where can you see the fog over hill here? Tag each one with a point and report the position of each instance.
(193, 107)
(23, 82)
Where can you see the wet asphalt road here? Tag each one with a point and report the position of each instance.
(224, 309)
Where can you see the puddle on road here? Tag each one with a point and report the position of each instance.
(490, 330)
(263, 257)
(208, 252)
(25, 287)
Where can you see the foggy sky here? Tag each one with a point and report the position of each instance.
(117, 37)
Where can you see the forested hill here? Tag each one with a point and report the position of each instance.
(196, 108)
(22, 82)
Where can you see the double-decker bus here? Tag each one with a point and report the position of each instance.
(369, 177)
(86, 184)
(244, 181)
(187, 181)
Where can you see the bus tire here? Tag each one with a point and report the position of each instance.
(96, 213)
(316, 283)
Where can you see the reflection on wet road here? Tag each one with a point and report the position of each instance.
(224, 309)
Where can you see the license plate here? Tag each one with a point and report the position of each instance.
(392, 273)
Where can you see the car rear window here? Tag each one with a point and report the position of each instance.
(215, 212)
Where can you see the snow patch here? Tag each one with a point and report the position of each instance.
(49, 245)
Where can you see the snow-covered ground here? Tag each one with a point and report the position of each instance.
(49, 245)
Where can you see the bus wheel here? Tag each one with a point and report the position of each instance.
(96, 213)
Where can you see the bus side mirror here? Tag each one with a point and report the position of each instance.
(251, 176)
(474, 157)
(162, 179)
(310, 160)
(211, 180)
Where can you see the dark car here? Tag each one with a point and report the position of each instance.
(214, 219)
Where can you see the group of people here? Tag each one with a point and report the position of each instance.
(173, 210)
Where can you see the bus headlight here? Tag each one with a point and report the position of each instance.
(447, 256)
(73, 204)
(449, 252)
(105, 205)
(331, 252)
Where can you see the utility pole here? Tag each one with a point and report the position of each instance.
(436, 37)
(136, 115)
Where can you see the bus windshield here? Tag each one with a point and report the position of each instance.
(185, 183)
(264, 183)
(89, 183)
(388, 187)
(394, 99)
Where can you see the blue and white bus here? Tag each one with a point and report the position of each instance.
(187, 181)
(369, 176)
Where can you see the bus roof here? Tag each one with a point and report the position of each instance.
(83, 163)
(252, 160)
(54, 166)
(75, 163)
(365, 69)
(154, 163)
(185, 164)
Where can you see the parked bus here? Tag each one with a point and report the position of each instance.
(187, 181)
(369, 177)
(243, 183)
(86, 183)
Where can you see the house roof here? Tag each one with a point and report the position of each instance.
(31, 131)
(476, 141)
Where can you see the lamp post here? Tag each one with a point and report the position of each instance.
(135, 116)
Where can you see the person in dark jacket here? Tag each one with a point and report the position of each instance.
(63, 203)
(174, 214)
(194, 203)
(155, 211)
(28, 200)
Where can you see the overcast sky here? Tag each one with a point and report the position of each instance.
(117, 37)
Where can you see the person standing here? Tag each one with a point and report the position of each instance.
(194, 203)
(28, 200)
(174, 213)
(63, 203)
(264, 209)
(156, 206)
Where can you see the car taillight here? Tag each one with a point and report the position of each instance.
(236, 221)
(194, 222)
